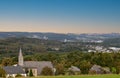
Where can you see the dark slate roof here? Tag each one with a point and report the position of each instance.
(74, 68)
(13, 70)
(39, 65)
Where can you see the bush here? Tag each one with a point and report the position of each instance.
(18, 75)
(113, 69)
(92, 72)
(74, 73)
(47, 71)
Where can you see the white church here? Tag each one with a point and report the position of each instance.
(23, 67)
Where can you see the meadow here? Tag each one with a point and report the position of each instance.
(80, 76)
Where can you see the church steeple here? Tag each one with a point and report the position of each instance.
(20, 58)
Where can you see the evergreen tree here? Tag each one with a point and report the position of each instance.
(30, 73)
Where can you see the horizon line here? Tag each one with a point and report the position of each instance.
(60, 32)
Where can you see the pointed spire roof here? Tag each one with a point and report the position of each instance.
(20, 58)
(20, 52)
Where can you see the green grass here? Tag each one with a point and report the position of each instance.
(80, 76)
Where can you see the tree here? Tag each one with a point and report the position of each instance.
(85, 66)
(117, 67)
(7, 62)
(2, 73)
(30, 73)
(47, 71)
(26, 71)
(59, 69)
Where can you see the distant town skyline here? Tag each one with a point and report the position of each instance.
(60, 16)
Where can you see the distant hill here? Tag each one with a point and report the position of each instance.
(46, 36)
(60, 37)
(10, 46)
(112, 42)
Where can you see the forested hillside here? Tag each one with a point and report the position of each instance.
(112, 42)
(11, 46)
(61, 54)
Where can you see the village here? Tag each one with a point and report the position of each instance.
(59, 38)
(37, 68)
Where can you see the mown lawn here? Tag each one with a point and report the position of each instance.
(80, 76)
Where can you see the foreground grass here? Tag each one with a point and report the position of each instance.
(80, 76)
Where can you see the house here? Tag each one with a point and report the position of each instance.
(73, 70)
(106, 70)
(96, 69)
(13, 71)
(35, 66)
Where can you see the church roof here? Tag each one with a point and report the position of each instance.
(39, 65)
(20, 52)
(13, 70)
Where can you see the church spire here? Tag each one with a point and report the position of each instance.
(20, 58)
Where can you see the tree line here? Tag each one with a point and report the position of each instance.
(82, 60)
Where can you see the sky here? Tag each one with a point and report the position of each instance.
(60, 16)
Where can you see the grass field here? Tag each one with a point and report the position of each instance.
(80, 76)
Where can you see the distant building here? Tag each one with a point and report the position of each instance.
(114, 49)
(91, 51)
(65, 40)
(96, 69)
(73, 70)
(45, 38)
(56, 48)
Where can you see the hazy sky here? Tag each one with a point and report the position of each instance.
(61, 16)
